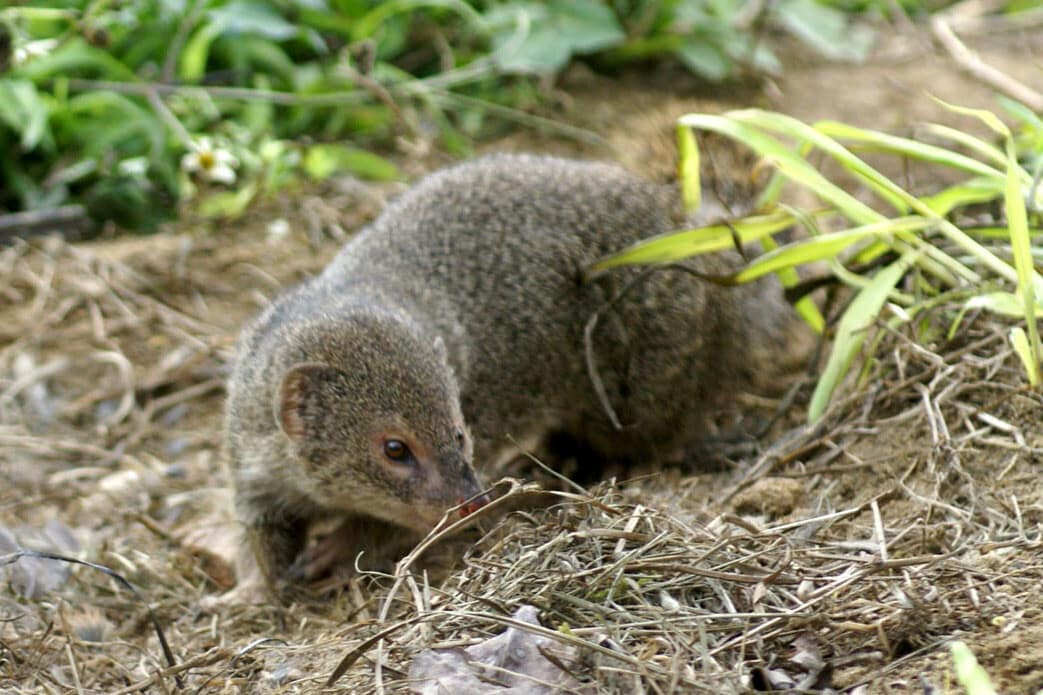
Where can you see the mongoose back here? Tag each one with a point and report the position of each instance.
(450, 333)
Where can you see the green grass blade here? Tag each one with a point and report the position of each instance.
(851, 332)
(676, 246)
(879, 182)
(907, 148)
(969, 673)
(1001, 303)
(805, 307)
(1023, 348)
(985, 150)
(811, 314)
(971, 192)
(895, 196)
(783, 158)
(688, 169)
(934, 260)
(826, 246)
(1017, 219)
(744, 126)
(990, 119)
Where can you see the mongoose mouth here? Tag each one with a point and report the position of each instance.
(468, 508)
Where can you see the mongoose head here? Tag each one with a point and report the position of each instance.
(372, 414)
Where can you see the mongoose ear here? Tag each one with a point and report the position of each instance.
(297, 405)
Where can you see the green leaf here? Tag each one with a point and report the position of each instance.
(109, 120)
(907, 148)
(745, 126)
(985, 150)
(1021, 112)
(539, 38)
(734, 125)
(826, 246)
(691, 187)
(824, 28)
(676, 246)
(367, 26)
(704, 59)
(987, 117)
(75, 57)
(323, 161)
(196, 53)
(253, 18)
(969, 673)
(227, 204)
(1021, 247)
(971, 192)
(1019, 340)
(268, 58)
(1001, 303)
(23, 111)
(851, 332)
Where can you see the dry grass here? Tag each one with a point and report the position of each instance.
(844, 554)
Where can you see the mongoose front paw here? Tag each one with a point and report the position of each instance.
(319, 561)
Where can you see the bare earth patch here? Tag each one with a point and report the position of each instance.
(840, 555)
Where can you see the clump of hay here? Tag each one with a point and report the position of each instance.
(847, 553)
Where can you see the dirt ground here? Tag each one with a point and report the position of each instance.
(844, 555)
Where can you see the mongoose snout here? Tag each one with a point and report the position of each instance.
(454, 333)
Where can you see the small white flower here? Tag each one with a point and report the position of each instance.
(212, 162)
(33, 49)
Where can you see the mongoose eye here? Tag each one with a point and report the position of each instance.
(396, 450)
(459, 436)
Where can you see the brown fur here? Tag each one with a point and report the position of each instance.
(463, 307)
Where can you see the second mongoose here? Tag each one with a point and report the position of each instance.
(453, 333)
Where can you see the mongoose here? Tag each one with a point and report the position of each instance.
(450, 333)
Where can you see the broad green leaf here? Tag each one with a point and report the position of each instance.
(676, 246)
(323, 161)
(539, 38)
(196, 53)
(268, 58)
(75, 58)
(691, 186)
(367, 26)
(24, 112)
(252, 18)
(824, 28)
(109, 120)
(703, 58)
(851, 332)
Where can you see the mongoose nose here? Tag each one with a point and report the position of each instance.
(473, 506)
